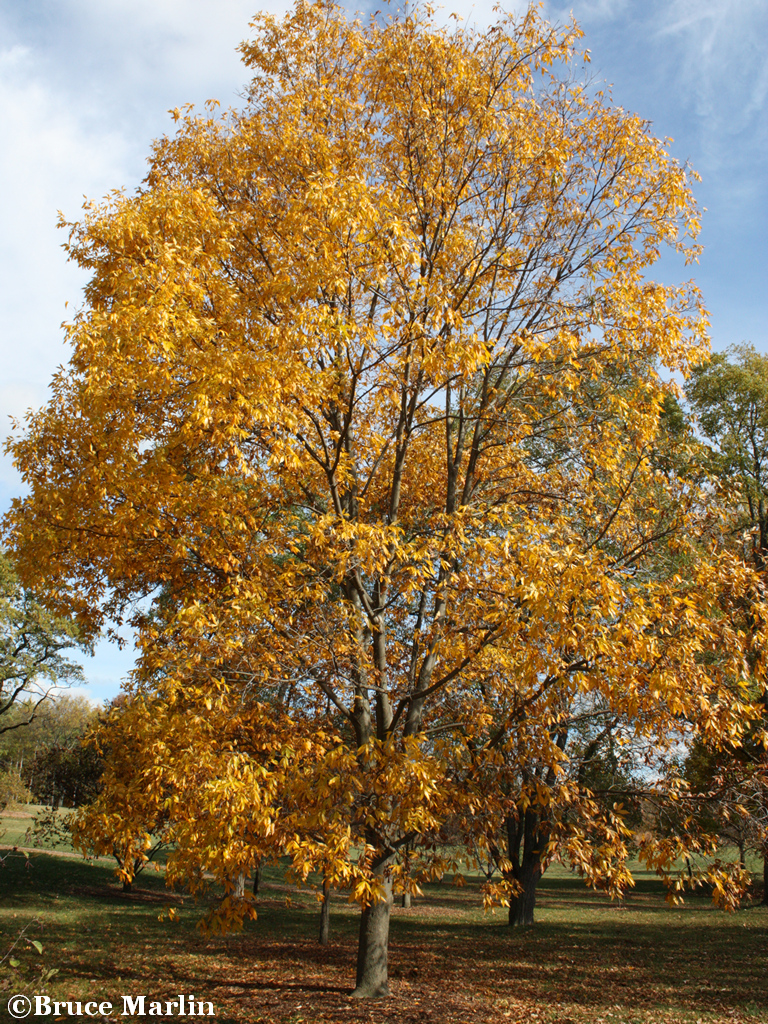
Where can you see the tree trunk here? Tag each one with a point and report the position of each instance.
(256, 878)
(372, 976)
(521, 907)
(325, 914)
(525, 831)
(765, 878)
(406, 902)
(238, 886)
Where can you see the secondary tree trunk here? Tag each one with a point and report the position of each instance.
(765, 877)
(372, 975)
(325, 914)
(406, 902)
(128, 883)
(256, 878)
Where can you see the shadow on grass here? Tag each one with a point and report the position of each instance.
(584, 953)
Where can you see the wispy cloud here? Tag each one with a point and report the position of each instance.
(722, 69)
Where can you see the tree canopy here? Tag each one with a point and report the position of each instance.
(729, 396)
(364, 399)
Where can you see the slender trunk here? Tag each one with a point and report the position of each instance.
(238, 886)
(742, 855)
(372, 979)
(256, 878)
(372, 976)
(325, 914)
(406, 897)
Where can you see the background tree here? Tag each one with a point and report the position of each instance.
(31, 643)
(579, 801)
(730, 790)
(729, 397)
(317, 347)
(32, 668)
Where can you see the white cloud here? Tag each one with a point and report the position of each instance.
(84, 87)
(49, 159)
(83, 692)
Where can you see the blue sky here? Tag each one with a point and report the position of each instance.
(85, 85)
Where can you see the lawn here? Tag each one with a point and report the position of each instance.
(587, 961)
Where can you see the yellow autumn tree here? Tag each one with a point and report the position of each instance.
(366, 386)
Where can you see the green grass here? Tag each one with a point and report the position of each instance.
(587, 961)
(15, 822)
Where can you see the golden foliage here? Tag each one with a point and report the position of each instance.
(367, 389)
